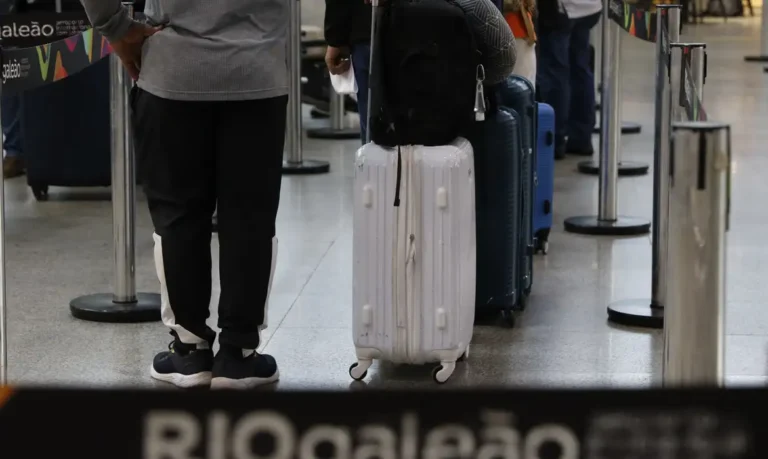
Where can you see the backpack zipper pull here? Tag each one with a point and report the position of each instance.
(479, 94)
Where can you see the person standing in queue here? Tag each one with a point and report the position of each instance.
(348, 35)
(565, 78)
(209, 114)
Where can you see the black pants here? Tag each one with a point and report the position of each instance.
(565, 79)
(193, 157)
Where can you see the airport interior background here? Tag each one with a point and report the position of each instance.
(62, 248)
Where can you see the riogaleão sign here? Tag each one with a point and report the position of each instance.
(24, 69)
(366, 424)
(33, 29)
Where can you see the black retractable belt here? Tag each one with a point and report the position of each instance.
(399, 176)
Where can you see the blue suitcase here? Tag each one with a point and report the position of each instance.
(65, 150)
(545, 177)
(496, 144)
(518, 94)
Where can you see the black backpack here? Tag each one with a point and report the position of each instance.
(425, 69)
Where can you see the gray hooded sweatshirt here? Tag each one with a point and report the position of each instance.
(209, 50)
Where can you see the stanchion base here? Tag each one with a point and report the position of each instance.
(623, 226)
(627, 127)
(318, 114)
(100, 308)
(333, 134)
(306, 167)
(756, 58)
(636, 313)
(626, 168)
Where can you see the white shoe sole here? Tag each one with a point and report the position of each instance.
(185, 381)
(242, 384)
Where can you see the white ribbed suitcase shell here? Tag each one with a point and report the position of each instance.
(414, 265)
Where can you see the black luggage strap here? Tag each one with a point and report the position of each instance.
(399, 171)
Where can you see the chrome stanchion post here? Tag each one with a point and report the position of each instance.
(698, 70)
(688, 70)
(294, 162)
(338, 118)
(698, 214)
(608, 222)
(3, 291)
(595, 41)
(763, 56)
(124, 305)
(625, 168)
(650, 312)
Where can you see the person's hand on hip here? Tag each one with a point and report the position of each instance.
(128, 48)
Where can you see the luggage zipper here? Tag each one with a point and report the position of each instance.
(413, 310)
(413, 323)
(400, 273)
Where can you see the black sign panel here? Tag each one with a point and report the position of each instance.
(372, 424)
(28, 30)
(28, 68)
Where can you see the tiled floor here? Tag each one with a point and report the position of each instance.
(61, 249)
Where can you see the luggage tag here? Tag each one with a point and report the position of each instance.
(480, 94)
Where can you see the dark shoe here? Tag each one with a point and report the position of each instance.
(12, 167)
(183, 365)
(559, 152)
(581, 151)
(232, 370)
(560, 143)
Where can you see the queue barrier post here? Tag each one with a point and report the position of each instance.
(607, 222)
(689, 63)
(763, 56)
(592, 166)
(294, 162)
(650, 312)
(699, 182)
(123, 305)
(339, 128)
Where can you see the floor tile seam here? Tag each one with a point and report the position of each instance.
(301, 290)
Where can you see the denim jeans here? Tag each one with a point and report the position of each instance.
(11, 114)
(361, 57)
(566, 81)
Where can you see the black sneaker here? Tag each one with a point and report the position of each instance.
(183, 365)
(559, 152)
(581, 151)
(560, 148)
(232, 370)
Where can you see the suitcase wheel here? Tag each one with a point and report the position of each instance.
(40, 192)
(509, 317)
(359, 370)
(464, 356)
(442, 372)
(542, 245)
(522, 303)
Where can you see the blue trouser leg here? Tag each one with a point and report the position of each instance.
(11, 114)
(361, 56)
(552, 75)
(581, 115)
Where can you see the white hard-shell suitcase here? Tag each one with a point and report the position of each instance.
(414, 264)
